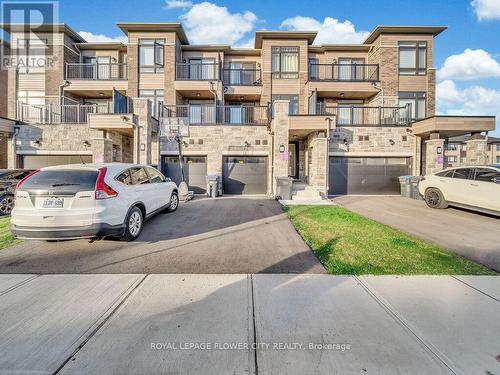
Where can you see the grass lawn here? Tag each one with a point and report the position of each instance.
(6, 237)
(348, 243)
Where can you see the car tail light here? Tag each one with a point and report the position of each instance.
(103, 190)
(25, 178)
(422, 178)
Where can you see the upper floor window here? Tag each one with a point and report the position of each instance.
(151, 55)
(498, 147)
(313, 68)
(31, 55)
(156, 96)
(412, 58)
(285, 62)
(417, 101)
(293, 107)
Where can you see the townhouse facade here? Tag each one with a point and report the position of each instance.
(344, 119)
(456, 151)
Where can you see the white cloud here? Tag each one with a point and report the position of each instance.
(472, 100)
(486, 9)
(176, 4)
(470, 64)
(207, 23)
(331, 30)
(90, 37)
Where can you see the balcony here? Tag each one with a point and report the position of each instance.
(96, 72)
(197, 72)
(89, 80)
(346, 81)
(344, 72)
(59, 114)
(366, 115)
(241, 77)
(220, 115)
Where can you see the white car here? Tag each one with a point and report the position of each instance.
(90, 200)
(473, 187)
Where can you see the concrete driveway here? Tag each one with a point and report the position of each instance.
(225, 235)
(472, 235)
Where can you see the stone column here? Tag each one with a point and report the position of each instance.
(476, 151)
(434, 155)
(280, 126)
(102, 150)
(317, 144)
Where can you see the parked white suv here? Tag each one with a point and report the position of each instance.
(473, 187)
(88, 200)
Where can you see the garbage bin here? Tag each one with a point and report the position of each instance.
(284, 188)
(404, 181)
(414, 181)
(213, 185)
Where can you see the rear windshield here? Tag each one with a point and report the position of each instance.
(60, 182)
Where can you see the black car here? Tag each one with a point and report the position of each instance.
(8, 181)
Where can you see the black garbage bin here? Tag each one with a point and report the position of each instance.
(284, 188)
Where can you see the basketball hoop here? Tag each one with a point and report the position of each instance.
(171, 136)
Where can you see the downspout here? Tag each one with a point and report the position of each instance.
(61, 91)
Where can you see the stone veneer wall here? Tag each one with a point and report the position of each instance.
(216, 141)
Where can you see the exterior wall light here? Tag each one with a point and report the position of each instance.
(282, 148)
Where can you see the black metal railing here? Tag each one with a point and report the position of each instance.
(197, 71)
(344, 72)
(241, 77)
(59, 114)
(366, 115)
(97, 71)
(206, 114)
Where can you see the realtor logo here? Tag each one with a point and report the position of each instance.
(31, 25)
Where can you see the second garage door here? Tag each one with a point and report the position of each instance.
(195, 171)
(367, 175)
(245, 175)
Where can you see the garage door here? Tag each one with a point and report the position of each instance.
(366, 175)
(195, 171)
(245, 175)
(40, 161)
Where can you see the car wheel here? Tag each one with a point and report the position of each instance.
(133, 224)
(435, 199)
(174, 202)
(6, 204)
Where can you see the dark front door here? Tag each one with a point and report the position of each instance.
(244, 174)
(366, 176)
(293, 159)
(195, 171)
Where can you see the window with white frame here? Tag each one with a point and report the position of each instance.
(31, 55)
(151, 55)
(156, 96)
(285, 62)
(417, 101)
(412, 58)
(452, 159)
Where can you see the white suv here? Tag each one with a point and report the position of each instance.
(474, 187)
(88, 200)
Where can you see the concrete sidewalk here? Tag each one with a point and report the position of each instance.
(247, 324)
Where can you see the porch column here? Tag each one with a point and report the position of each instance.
(280, 126)
(476, 150)
(434, 154)
(102, 149)
(317, 144)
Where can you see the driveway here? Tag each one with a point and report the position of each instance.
(224, 235)
(472, 235)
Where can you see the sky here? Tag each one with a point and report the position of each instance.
(467, 54)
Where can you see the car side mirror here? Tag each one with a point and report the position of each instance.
(496, 180)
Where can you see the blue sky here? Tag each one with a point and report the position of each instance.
(467, 55)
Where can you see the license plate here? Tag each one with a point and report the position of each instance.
(53, 203)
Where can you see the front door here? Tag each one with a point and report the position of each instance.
(293, 159)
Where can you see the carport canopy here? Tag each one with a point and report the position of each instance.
(451, 126)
